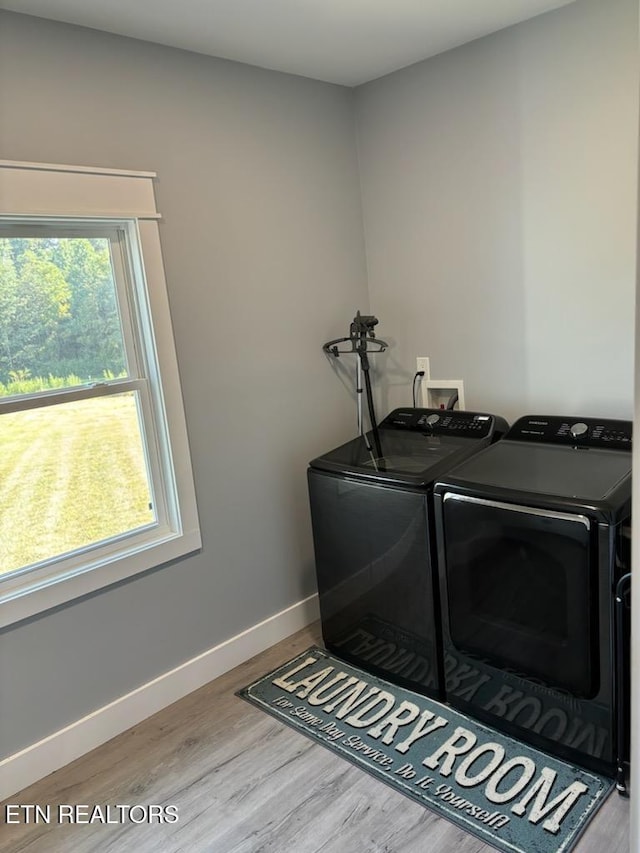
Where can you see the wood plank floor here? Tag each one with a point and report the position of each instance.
(245, 783)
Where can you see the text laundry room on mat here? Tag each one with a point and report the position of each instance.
(506, 793)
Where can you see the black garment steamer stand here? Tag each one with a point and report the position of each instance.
(362, 340)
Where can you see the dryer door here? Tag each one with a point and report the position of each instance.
(521, 590)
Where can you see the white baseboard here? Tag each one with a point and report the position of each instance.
(23, 768)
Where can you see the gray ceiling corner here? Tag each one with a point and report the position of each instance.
(348, 42)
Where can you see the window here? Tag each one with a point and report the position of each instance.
(95, 477)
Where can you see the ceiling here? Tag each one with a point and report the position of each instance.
(338, 41)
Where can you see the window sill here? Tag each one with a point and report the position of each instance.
(29, 596)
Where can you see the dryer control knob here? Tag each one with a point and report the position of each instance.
(432, 420)
(579, 429)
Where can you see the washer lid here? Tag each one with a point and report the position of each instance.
(411, 458)
(589, 474)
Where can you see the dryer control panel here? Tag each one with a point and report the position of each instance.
(574, 431)
(445, 422)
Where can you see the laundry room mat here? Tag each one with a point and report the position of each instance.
(506, 793)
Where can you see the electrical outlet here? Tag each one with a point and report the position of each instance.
(422, 363)
(422, 366)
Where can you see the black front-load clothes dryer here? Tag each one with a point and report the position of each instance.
(371, 512)
(533, 553)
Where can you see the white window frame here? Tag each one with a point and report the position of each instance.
(81, 196)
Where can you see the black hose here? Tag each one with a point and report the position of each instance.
(372, 414)
(418, 375)
(622, 674)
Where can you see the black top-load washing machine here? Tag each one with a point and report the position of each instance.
(372, 529)
(533, 539)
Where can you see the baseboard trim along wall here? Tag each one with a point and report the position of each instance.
(36, 761)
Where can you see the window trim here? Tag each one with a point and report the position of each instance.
(56, 193)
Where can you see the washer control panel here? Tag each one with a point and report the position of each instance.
(444, 422)
(576, 431)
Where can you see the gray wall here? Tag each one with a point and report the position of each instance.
(499, 198)
(263, 248)
(499, 212)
